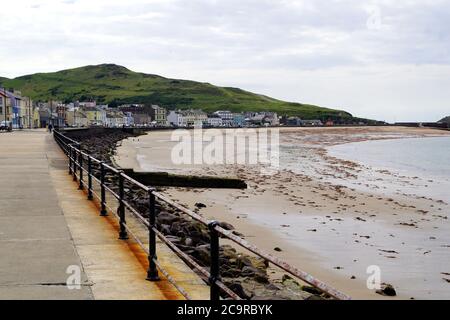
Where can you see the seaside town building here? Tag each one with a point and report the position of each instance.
(26, 112)
(159, 115)
(187, 118)
(175, 118)
(96, 116)
(226, 116)
(195, 117)
(44, 117)
(291, 121)
(23, 113)
(141, 119)
(35, 119)
(137, 114)
(262, 118)
(77, 118)
(60, 120)
(15, 109)
(86, 104)
(5, 107)
(128, 119)
(214, 121)
(115, 119)
(14, 104)
(312, 123)
(238, 120)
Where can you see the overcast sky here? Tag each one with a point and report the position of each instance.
(385, 59)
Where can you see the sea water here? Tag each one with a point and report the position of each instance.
(425, 158)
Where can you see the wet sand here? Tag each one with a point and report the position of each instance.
(325, 219)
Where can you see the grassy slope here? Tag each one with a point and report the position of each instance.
(112, 83)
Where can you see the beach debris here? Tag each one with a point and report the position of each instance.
(312, 230)
(338, 268)
(200, 205)
(226, 226)
(353, 278)
(311, 290)
(387, 290)
(360, 219)
(447, 280)
(277, 249)
(238, 234)
(389, 251)
(285, 226)
(405, 224)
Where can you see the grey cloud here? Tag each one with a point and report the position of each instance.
(207, 35)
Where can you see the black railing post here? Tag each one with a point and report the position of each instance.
(90, 196)
(70, 158)
(152, 272)
(74, 161)
(80, 161)
(215, 264)
(103, 211)
(123, 231)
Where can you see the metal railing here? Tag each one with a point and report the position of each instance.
(81, 163)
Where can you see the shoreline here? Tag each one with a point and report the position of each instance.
(282, 213)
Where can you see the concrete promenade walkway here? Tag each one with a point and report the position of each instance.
(48, 226)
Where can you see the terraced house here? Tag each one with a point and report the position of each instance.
(15, 108)
(76, 118)
(26, 113)
(5, 112)
(12, 108)
(115, 119)
(187, 118)
(158, 115)
(95, 116)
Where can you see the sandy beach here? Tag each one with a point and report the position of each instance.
(330, 217)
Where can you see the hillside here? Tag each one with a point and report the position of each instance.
(446, 120)
(108, 83)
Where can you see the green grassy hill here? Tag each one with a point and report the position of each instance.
(112, 84)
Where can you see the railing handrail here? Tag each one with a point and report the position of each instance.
(215, 229)
(55, 132)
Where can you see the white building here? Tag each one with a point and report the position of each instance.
(128, 119)
(175, 118)
(86, 104)
(187, 118)
(215, 121)
(115, 119)
(227, 118)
